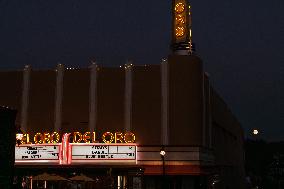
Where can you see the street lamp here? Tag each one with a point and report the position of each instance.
(19, 136)
(255, 132)
(163, 153)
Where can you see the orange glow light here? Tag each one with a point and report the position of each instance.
(179, 8)
(180, 31)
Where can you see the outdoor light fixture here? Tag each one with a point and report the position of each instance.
(255, 132)
(19, 136)
(162, 152)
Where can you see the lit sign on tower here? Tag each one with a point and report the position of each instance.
(181, 31)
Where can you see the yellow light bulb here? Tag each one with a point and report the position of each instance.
(180, 20)
(179, 8)
(180, 31)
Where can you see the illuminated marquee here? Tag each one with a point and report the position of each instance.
(76, 148)
(77, 137)
(102, 152)
(38, 153)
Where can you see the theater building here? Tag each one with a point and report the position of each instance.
(133, 126)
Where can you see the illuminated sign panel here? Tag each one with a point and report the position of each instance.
(103, 152)
(117, 148)
(37, 152)
(181, 22)
(77, 137)
(180, 17)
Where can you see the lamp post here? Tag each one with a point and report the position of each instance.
(163, 153)
(255, 134)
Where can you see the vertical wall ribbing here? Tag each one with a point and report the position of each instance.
(128, 96)
(210, 113)
(25, 97)
(204, 122)
(164, 103)
(93, 97)
(59, 97)
(207, 107)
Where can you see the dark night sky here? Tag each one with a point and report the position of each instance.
(241, 43)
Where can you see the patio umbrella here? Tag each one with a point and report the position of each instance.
(49, 177)
(82, 177)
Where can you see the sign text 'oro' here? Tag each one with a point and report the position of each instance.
(78, 137)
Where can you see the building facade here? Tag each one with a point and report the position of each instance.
(170, 107)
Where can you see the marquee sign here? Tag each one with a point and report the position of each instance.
(103, 152)
(70, 151)
(37, 152)
(77, 137)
